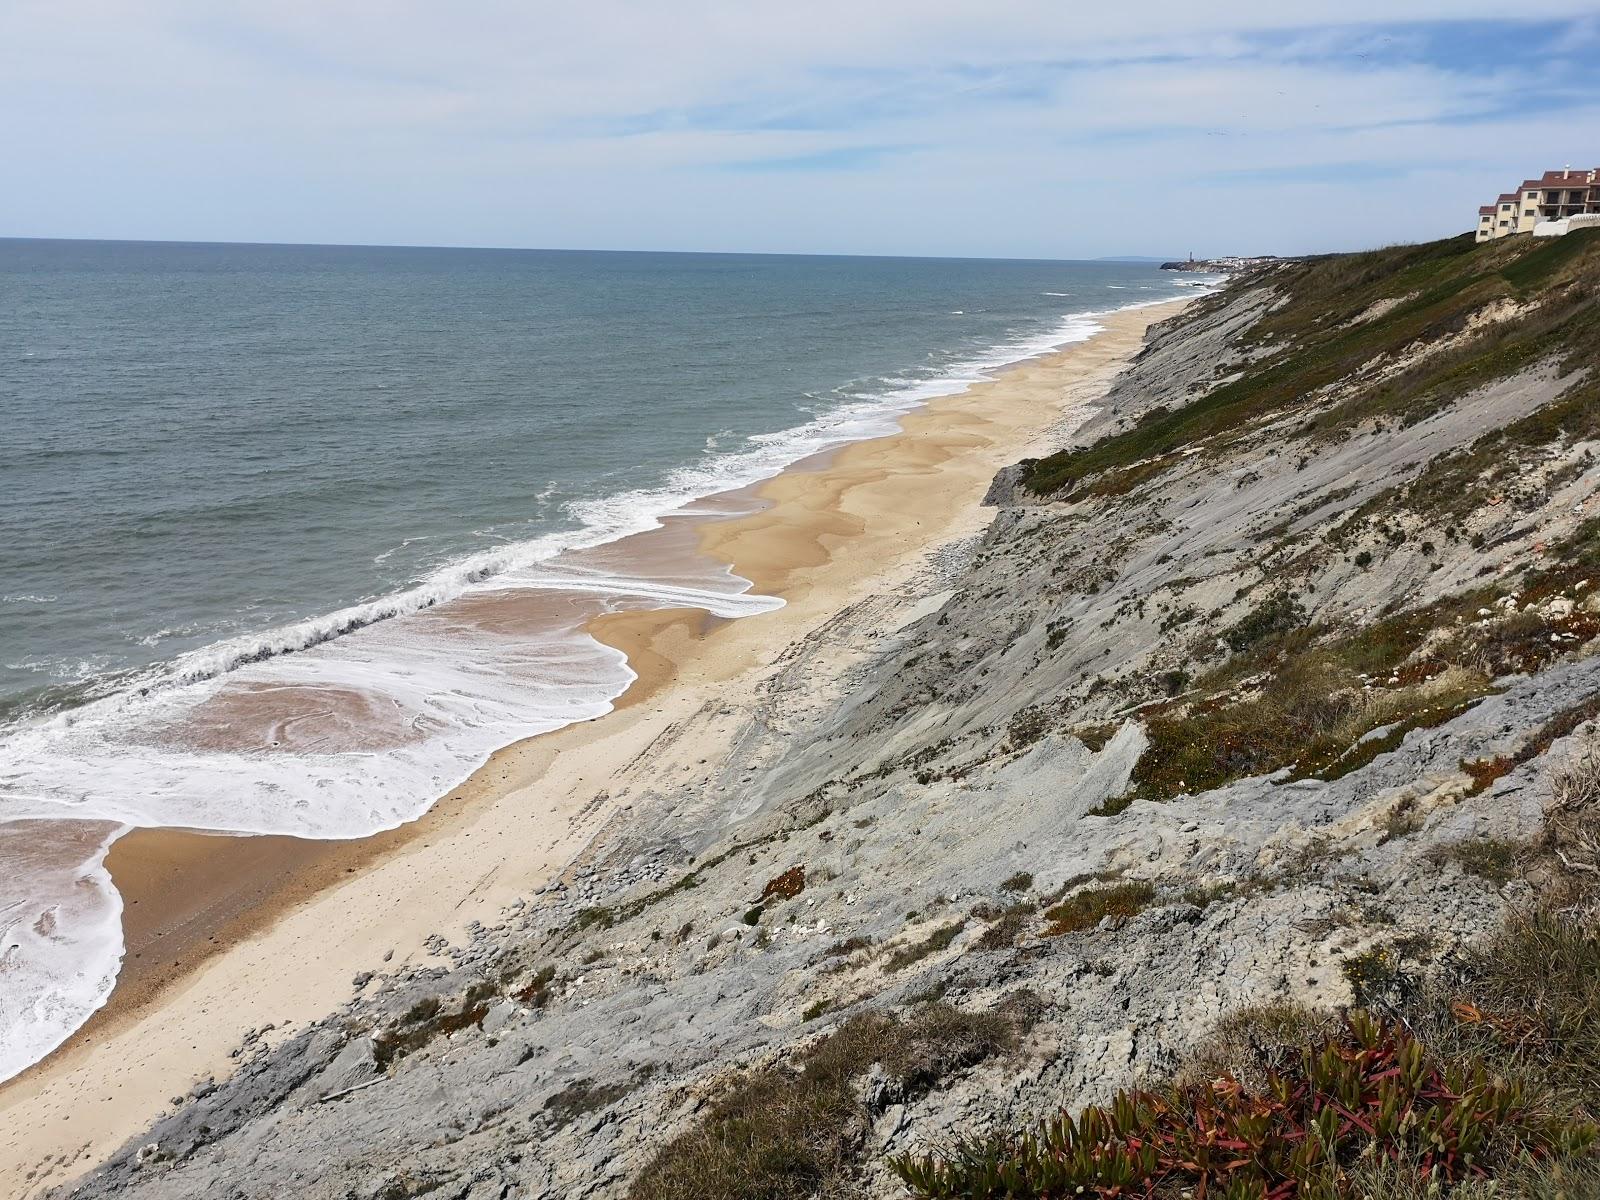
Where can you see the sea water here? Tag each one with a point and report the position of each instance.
(258, 505)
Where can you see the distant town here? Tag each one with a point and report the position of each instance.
(1230, 263)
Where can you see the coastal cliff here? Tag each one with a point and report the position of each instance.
(1269, 691)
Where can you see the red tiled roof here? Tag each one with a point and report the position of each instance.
(1570, 179)
(1576, 177)
(1486, 210)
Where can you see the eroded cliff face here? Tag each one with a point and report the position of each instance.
(1233, 700)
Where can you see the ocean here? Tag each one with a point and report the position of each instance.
(293, 537)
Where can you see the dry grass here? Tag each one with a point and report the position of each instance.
(1545, 1180)
(1527, 1004)
(1572, 825)
(1494, 859)
(936, 941)
(1010, 924)
(1313, 712)
(792, 1131)
(1088, 908)
(1250, 1043)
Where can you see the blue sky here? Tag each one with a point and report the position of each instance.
(1033, 128)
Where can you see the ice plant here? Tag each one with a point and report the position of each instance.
(1370, 1091)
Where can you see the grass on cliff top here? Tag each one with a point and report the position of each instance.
(1317, 340)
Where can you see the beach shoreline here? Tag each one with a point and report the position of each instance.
(227, 935)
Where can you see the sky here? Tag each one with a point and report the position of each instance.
(988, 128)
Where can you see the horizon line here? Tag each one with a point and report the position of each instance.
(586, 249)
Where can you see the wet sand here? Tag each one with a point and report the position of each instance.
(231, 934)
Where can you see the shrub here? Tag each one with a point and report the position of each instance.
(1279, 614)
(1297, 699)
(816, 1009)
(536, 992)
(1020, 882)
(1494, 859)
(1572, 825)
(787, 885)
(427, 1020)
(1527, 1003)
(580, 1097)
(936, 941)
(786, 1133)
(1027, 726)
(849, 946)
(1371, 1092)
(1087, 908)
(1252, 1043)
(1112, 805)
(1009, 925)
(1485, 771)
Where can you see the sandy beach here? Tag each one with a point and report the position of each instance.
(228, 935)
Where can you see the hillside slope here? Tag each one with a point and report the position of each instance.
(1263, 690)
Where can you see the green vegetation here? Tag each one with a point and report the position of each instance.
(429, 1019)
(848, 946)
(1087, 908)
(580, 1097)
(783, 1133)
(1323, 702)
(1095, 737)
(1344, 311)
(1371, 1092)
(1112, 805)
(1252, 1043)
(1526, 1004)
(816, 1009)
(1494, 859)
(1009, 924)
(1280, 614)
(936, 941)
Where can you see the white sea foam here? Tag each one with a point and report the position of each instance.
(60, 937)
(442, 694)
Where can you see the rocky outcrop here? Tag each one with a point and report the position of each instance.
(897, 822)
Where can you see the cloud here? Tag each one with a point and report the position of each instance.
(945, 126)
